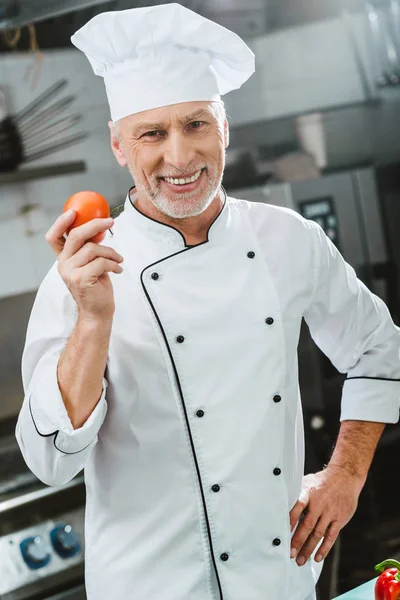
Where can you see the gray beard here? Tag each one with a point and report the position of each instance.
(185, 208)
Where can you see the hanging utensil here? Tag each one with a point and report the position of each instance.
(45, 150)
(52, 129)
(37, 104)
(54, 109)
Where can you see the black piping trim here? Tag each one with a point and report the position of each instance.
(185, 411)
(55, 433)
(174, 228)
(376, 378)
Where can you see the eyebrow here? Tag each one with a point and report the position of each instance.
(151, 126)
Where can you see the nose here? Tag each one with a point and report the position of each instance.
(178, 151)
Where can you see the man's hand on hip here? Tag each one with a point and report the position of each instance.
(327, 502)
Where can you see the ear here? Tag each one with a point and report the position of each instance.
(226, 133)
(116, 146)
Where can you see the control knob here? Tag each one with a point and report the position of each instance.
(35, 552)
(65, 541)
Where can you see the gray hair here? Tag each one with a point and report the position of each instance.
(217, 108)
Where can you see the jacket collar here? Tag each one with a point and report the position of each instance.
(164, 233)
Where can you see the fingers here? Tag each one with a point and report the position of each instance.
(331, 536)
(302, 533)
(55, 235)
(79, 235)
(96, 268)
(85, 277)
(90, 252)
(299, 508)
(309, 537)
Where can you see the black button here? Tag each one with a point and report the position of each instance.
(277, 471)
(180, 339)
(251, 254)
(224, 556)
(269, 321)
(200, 413)
(215, 488)
(277, 398)
(155, 276)
(276, 542)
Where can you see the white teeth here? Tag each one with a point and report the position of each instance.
(183, 181)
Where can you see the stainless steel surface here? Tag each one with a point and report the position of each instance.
(251, 19)
(18, 14)
(369, 91)
(54, 170)
(276, 194)
(371, 215)
(45, 492)
(340, 187)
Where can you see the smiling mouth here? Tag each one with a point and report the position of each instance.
(183, 180)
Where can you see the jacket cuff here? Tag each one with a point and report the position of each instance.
(50, 416)
(376, 400)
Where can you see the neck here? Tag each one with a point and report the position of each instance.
(193, 229)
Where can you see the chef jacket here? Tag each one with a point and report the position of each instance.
(194, 454)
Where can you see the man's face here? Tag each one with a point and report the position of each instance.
(178, 142)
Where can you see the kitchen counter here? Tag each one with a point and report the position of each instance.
(363, 592)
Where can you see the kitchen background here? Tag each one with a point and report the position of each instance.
(314, 129)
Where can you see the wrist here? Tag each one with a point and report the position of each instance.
(347, 471)
(90, 322)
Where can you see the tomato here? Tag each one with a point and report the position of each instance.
(88, 206)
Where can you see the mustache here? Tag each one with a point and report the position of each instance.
(176, 175)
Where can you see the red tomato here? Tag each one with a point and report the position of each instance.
(88, 206)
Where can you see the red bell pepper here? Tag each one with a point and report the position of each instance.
(387, 586)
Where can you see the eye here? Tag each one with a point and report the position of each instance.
(152, 134)
(196, 124)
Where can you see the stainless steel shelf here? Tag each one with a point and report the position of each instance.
(21, 175)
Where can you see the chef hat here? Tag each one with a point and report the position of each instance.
(160, 55)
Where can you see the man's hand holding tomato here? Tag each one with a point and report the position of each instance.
(83, 263)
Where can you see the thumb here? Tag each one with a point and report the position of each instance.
(55, 235)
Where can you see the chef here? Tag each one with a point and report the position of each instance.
(163, 360)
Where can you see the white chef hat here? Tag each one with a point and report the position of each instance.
(160, 55)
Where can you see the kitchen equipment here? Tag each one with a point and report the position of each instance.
(41, 531)
(42, 151)
(51, 129)
(38, 103)
(53, 110)
(21, 135)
